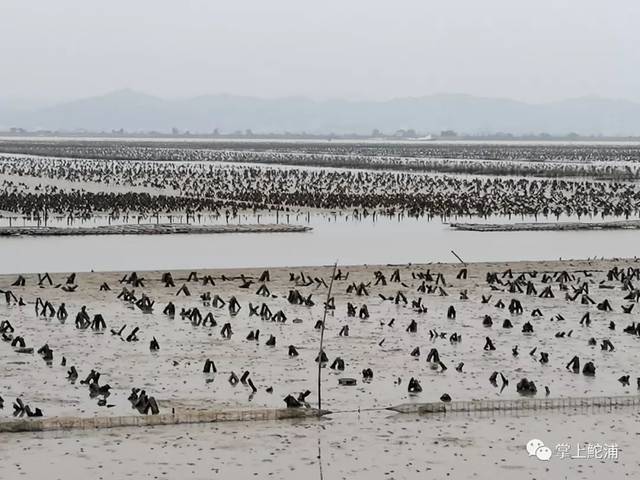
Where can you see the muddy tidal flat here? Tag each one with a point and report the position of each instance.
(491, 325)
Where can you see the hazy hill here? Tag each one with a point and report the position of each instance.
(134, 111)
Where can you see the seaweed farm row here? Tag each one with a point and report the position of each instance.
(38, 186)
(616, 161)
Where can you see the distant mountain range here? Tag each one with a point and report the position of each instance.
(138, 112)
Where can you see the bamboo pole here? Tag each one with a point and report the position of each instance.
(324, 317)
(456, 255)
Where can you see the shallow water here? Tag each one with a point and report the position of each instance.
(334, 237)
(349, 242)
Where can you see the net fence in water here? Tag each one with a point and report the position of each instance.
(176, 418)
(521, 405)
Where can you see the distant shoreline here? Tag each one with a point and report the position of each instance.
(289, 137)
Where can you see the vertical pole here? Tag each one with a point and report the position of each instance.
(324, 317)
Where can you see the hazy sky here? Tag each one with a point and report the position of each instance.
(533, 50)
